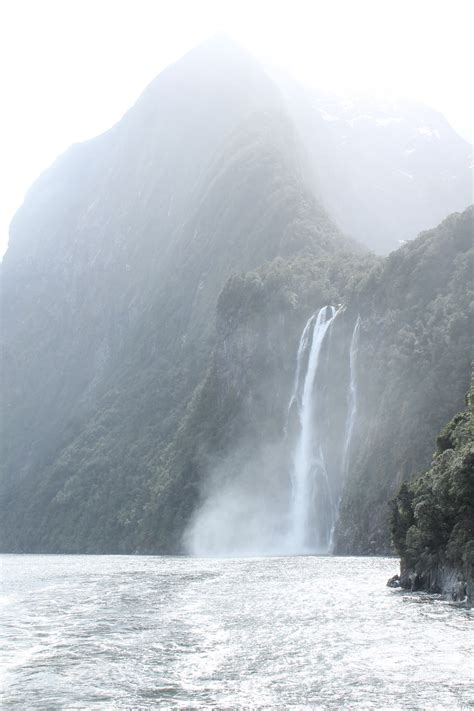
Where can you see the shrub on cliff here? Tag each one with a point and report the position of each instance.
(432, 521)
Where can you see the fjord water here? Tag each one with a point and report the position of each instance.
(144, 632)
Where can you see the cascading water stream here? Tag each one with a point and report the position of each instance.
(298, 513)
(308, 452)
(351, 415)
(352, 405)
(301, 352)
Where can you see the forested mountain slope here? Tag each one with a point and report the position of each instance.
(109, 290)
(154, 292)
(412, 369)
(417, 312)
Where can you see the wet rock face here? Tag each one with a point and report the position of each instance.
(394, 582)
(440, 580)
(460, 591)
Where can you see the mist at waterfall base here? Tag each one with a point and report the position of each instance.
(284, 498)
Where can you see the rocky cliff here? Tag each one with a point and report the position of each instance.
(414, 364)
(412, 368)
(432, 519)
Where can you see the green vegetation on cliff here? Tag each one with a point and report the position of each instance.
(154, 292)
(413, 367)
(432, 521)
(109, 324)
(417, 309)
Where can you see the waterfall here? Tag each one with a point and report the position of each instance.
(352, 404)
(301, 352)
(350, 418)
(309, 468)
(285, 497)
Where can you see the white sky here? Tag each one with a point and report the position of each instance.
(70, 68)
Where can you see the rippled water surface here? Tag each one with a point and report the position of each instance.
(143, 632)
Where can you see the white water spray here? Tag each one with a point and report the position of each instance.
(252, 513)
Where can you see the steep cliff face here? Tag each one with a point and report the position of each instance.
(414, 365)
(124, 277)
(99, 238)
(123, 402)
(233, 451)
(432, 519)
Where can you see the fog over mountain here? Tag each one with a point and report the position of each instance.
(375, 158)
(161, 393)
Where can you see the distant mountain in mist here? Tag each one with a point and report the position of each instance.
(158, 277)
(385, 169)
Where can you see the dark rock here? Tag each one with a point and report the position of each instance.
(459, 591)
(394, 582)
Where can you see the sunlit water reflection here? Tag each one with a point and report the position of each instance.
(142, 632)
